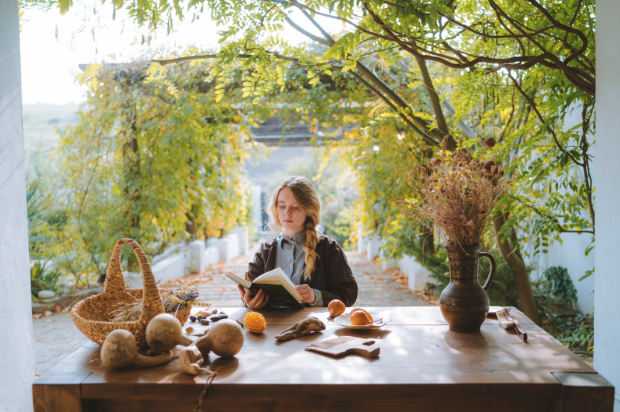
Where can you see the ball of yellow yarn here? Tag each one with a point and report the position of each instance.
(255, 322)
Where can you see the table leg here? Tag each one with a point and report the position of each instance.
(585, 392)
(58, 392)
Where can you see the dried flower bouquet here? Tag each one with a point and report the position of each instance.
(173, 300)
(457, 193)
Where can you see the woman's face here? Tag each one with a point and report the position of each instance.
(291, 217)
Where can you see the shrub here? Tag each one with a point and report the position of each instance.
(42, 277)
(557, 298)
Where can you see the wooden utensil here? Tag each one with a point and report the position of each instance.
(508, 322)
(346, 345)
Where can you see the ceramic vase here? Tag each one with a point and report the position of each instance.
(464, 303)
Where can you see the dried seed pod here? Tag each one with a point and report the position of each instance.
(120, 350)
(164, 332)
(224, 338)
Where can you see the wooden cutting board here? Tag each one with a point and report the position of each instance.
(346, 345)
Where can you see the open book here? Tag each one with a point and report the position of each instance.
(275, 283)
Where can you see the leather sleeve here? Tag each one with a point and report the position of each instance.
(257, 265)
(339, 280)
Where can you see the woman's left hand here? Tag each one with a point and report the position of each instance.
(306, 292)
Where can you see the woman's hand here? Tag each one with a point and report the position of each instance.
(258, 302)
(306, 292)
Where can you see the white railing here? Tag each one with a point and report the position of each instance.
(179, 260)
(371, 245)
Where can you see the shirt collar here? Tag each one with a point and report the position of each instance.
(299, 238)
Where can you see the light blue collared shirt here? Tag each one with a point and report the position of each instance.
(291, 257)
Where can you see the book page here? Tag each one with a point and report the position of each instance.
(278, 277)
(238, 280)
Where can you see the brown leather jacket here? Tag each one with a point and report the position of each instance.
(331, 275)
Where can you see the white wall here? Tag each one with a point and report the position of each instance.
(257, 208)
(571, 255)
(607, 164)
(16, 346)
(417, 274)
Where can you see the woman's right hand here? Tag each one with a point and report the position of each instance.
(257, 302)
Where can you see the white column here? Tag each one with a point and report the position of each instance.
(16, 346)
(243, 239)
(257, 208)
(607, 276)
(197, 255)
(361, 246)
(372, 244)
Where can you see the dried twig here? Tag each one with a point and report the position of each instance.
(457, 194)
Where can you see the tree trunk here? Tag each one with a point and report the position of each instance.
(512, 255)
(435, 102)
(427, 240)
(190, 226)
(131, 165)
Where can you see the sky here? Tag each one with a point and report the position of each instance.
(52, 46)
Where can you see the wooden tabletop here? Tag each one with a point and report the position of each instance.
(421, 361)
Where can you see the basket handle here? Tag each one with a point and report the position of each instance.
(115, 282)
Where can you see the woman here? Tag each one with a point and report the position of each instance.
(314, 262)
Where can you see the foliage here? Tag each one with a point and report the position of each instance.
(409, 75)
(154, 160)
(557, 299)
(43, 277)
(557, 288)
(435, 69)
(457, 193)
(36, 237)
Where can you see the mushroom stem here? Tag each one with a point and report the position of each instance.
(150, 361)
(189, 358)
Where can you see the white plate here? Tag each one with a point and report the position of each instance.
(345, 321)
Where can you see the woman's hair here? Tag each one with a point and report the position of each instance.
(309, 202)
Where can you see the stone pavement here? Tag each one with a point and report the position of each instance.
(55, 337)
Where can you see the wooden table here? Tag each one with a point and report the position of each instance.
(422, 367)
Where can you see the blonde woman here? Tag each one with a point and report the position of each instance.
(314, 262)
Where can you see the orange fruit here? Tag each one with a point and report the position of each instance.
(361, 317)
(335, 308)
(361, 310)
(255, 322)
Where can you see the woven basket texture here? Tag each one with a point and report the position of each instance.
(93, 315)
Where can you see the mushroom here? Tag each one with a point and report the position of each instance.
(120, 349)
(189, 358)
(164, 332)
(225, 338)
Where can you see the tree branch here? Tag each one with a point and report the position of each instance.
(554, 219)
(215, 56)
(585, 126)
(533, 105)
(385, 92)
(434, 97)
(578, 33)
(304, 32)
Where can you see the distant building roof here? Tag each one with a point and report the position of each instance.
(274, 132)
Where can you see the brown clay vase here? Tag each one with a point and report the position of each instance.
(464, 303)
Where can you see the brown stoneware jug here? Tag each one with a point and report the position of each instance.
(464, 303)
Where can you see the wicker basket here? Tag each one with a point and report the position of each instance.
(92, 315)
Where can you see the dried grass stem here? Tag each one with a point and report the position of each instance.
(457, 194)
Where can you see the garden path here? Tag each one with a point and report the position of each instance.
(55, 337)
